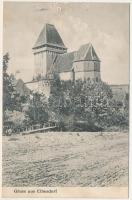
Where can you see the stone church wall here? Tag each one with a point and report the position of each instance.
(42, 87)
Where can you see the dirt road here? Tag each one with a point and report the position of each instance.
(66, 159)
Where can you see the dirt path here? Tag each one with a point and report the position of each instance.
(66, 159)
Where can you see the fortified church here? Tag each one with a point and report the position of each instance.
(51, 57)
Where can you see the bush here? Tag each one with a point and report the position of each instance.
(90, 104)
(15, 121)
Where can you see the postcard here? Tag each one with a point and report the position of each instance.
(65, 99)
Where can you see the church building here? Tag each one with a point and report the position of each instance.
(51, 56)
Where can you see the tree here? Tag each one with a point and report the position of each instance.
(37, 108)
(8, 89)
(5, 62)
(88, 103)
(19, 120)
(11, 97)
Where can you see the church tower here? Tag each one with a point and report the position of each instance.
(86, 63)
(48, 45)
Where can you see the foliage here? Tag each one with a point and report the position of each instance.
(80, 105)
(86, 102)
(5, 62)
(15, 120)
(56, 100)
(7, 86)
(36, 108)
(11, 98)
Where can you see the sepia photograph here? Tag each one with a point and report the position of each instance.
(65, 98)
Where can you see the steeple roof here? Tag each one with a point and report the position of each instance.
(86, 52)
(49, 36)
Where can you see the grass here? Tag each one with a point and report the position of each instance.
(66, 159)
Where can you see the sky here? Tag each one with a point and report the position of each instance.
(105, 25)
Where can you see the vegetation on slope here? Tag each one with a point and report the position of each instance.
(73, 106)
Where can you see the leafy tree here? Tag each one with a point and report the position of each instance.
(5, 62)
(11, 97)
(37, 109)
(8, 87)
(19, 120)
(88, 102)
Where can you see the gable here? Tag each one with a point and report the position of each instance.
(86, 52)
